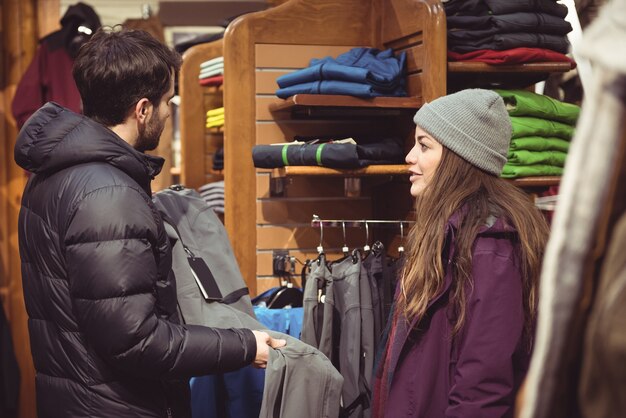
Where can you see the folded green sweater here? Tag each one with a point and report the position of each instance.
(516, 171)
(523, 157)
(529, 126)
(539, 143)
(526, 103)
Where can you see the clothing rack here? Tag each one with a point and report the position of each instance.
(321, 223)
(354, 223)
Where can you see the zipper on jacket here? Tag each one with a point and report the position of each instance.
(168, 408)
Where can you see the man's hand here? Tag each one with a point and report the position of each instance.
(263, 342)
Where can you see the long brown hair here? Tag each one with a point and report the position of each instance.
(458, 184)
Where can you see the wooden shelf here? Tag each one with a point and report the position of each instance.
(335, 100)
(464, 74)
(534, 67)
(392, 170)
(216, 130)
(539, 181)
(372, 170)
(213, 89)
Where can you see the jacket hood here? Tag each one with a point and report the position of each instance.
(81, 14)
(68, 37)
(55, 138)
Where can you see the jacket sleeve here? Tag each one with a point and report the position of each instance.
(29, 95)
(484, 382)
(112, 257)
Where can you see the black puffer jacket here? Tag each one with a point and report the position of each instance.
(103, 324)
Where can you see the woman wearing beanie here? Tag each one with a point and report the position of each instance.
(460, 338)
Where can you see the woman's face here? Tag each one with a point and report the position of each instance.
(423, 158)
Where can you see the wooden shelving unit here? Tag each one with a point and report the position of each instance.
(262, 215)
(258, 50)
(198, 143)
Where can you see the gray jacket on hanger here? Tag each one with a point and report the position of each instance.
(343, 298)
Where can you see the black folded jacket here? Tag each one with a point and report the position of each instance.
(218, 159)
(502, 7)
(332, 155)
(464, 27)
(502, 41)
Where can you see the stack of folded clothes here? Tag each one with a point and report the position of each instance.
(360, 72)
(215, 118)
(213, 195)
(212, 72)
(218, 159)
(507, 31)
(343, 153)
(542, 130)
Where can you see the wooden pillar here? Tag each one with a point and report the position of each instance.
(23, 23)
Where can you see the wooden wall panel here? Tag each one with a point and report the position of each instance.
(303, 186)
(262, 111)
(294, 56)
(414, 58)
(23, 23)
(414, 82)
(299, 210)
(400, 18)
(262, 185)
(285, 130)
(305, 237)
(265, 80)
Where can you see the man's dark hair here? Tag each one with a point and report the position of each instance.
(115, 69)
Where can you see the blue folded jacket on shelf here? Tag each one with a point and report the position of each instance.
(361, 72)
(336, 87)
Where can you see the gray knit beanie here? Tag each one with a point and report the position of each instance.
(472, 123)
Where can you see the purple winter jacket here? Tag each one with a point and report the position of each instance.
(478, 372)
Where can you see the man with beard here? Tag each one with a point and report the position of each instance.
(105, 333)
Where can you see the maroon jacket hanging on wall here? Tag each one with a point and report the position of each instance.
(48, 78)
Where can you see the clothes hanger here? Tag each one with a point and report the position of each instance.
(367, 247)
(286, 294)
(320, 248)
(401, 247)
(345, 248)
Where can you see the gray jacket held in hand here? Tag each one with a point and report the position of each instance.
(300, 381)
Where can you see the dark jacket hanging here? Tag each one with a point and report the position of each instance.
(48, 77)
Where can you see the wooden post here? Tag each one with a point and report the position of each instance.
(23, 23)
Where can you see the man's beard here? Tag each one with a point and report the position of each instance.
(149, 135)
